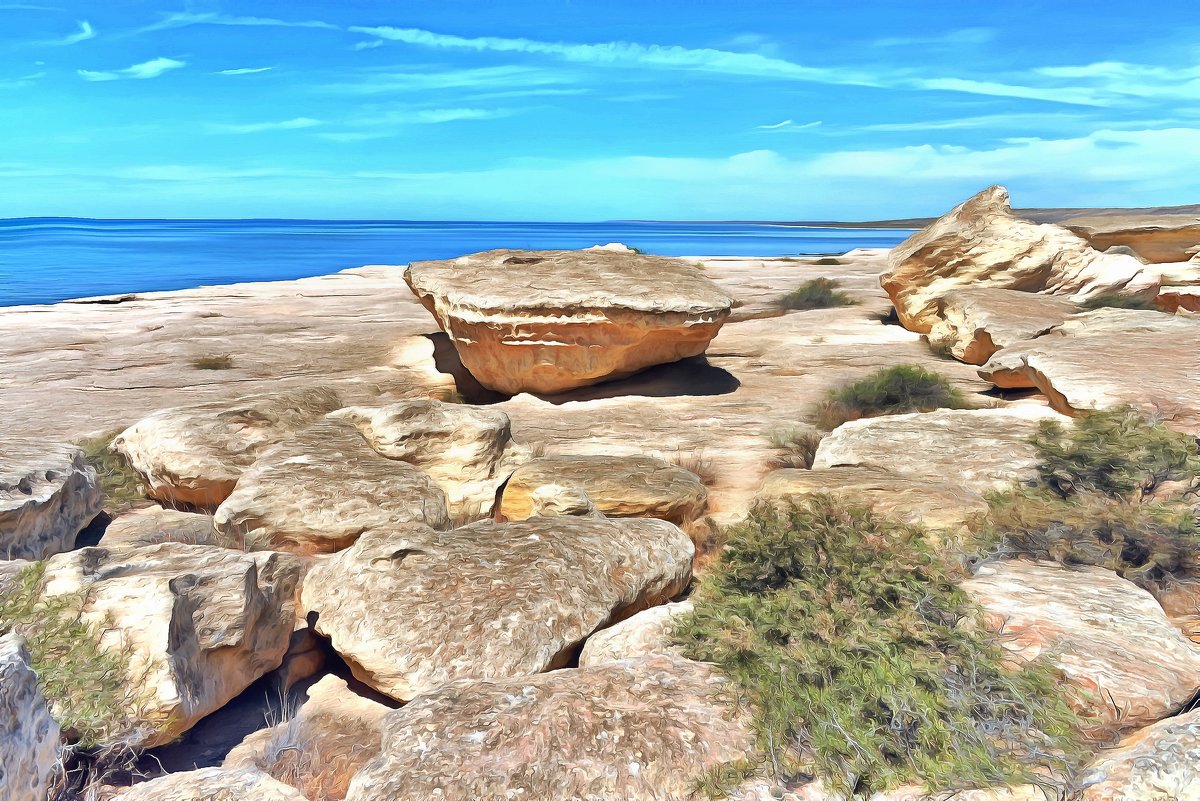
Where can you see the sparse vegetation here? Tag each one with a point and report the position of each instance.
(797, 448)
(819, 293)
(858, 656)
(222, 361)
(1110, 492)
(828, 261)
(892, 390)
(120, 482)
(1112, 300)
(943, 349)
(698, 464)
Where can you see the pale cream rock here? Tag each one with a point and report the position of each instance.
(635, 731)
(1111, 357)
(413, 608)
(212, 784)
(48, 494)
(1124, 660)
(618, 486)
(648, 633)
(199, 623)
(467, 450)
(975, 323)
(156, 524)
(976, 449)
(550, 321)
(333, 734)
(194, 455)
(1161, 761)
(980, 243)
(321, 489)
(28, 732)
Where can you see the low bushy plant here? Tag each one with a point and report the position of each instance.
(819, 293)
(120, 483)
(892, 390)
(862, 661)
(1112, 300)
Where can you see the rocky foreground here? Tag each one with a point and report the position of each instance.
(455, 511)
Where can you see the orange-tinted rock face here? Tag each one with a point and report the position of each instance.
(550, 321)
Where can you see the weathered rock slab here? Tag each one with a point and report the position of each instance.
(641, 731)
(413, 608)
(48, 494)
(1126, 662)
(28, 733)
(1111, 357)
(617, 486)
(975, 323)
(648, 633)
(212, 784)
(155, 524)
(1161, 761)
(194, 455)
(550, 321)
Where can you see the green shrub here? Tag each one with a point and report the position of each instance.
(819, 293)
(892, 390)
(90, 690)
(862, 662)
(797, 448)
(1111, 300)
(222, 361)
(1118, 452)
(120, 482)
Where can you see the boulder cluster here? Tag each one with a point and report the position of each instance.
(465, 601)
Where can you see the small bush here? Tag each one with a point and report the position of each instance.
(1150, 544)
(1118, 452)
(698, 464)
(1111, 300)
(120, 482)
(861, 661)
(797, 449)
(892, 390)
(828, 261)
(217, 362)
(819, 293)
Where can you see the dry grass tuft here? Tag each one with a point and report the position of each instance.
(819, 293)
(796, 447)
(223, 361)
(698, 464)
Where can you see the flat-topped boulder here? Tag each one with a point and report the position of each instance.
(975, 323)
(1127, 664)
(617, 486)
(1111, 357)
(412, 608)
(981, 243)
(48, 494)
(318, 491)
(648, 633)
(198, 624)
(553, 320)
(641, 731)
(28, 733)
(194, 455)
(212, 784)
(156, 524)
(1155, 238)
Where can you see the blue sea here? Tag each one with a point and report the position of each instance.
(43, 260)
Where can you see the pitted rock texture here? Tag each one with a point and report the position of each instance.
(48, 494)
(1128, 665)
(1111, 357)
(648, 633)
(155, 524)
(212, 784)
(976, 449)
(975, 323)
(194, 455)
(917, 500)
(553, 320)
(641, 731)
(1162, 761)
(199, 623)
(28, 733)
(329, 739)
(320, 490)
(980, 243)
(413, 608)
(617, 486)
(467, 450)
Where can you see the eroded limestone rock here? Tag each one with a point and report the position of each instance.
(212, 784)
(155, 524)
(975, 323)
(48, 494)
(28, 733)
(1159, 762)
(648, 633)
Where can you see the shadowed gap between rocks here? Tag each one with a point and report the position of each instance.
(693, 376)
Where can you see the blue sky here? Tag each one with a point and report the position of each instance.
(590, 110)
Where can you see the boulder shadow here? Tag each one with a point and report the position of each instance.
(693, 376)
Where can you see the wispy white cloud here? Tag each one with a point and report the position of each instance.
(244, 71)
(293, 124)
(385, 123)
(506, 77)
(369, 44)
(789, 125)
(1123, 79)
(184, 19)
(23, 80)
(147, 69)
(85, 32)
(1077, 96)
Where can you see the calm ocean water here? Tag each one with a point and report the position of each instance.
(43, 260)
